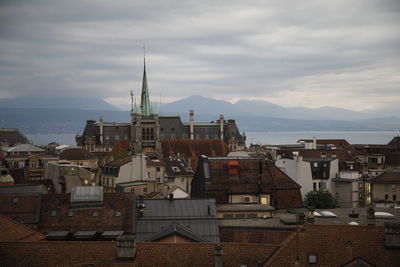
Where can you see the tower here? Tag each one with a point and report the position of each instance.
(145, 124)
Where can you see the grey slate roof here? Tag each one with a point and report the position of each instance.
(197, 216)
(22, 189)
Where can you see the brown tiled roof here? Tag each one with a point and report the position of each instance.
(76, 154)
(395, 141)
(262, 236)
(246, 181)
(24, 208)
(335, 245)
(387, 177)
(12, 231)
(119, 162)
(82, 218)
(392, 158)
(192, 149)
(183, 167)
(71, 253)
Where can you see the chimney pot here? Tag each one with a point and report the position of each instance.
(218, 255)
(126, 247)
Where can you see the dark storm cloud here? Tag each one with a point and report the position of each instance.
(290, 52)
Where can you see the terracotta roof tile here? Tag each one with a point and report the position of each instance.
(12, 231)
(57, 253)
(335, 245)
(76, 154)
(21, 207)
(192, 149)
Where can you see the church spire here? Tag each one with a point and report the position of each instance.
(145, 107)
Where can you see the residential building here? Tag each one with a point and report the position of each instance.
(178, 174)
(386, 188)
(246, 181)
(65, 176)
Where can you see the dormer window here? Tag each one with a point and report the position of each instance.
(312, 259)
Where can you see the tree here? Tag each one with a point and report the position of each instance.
(320, 200)
(121, 149)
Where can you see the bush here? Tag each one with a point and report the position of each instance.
(320, 200)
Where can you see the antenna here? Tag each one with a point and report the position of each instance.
(131, 101)
(144, 53)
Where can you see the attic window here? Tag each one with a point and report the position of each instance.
(118, 214)
(95, 214)
(53, 213)
(233, 167)
(312, 259)
(175, 169)
(70, 213)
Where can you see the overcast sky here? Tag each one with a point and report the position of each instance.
(293, 53)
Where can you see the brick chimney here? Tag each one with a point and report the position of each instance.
(218, 255)
(126, 247)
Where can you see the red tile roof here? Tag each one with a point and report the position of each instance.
(76, 154)
(82, 219)
(22, 207)
(335, 245)
(70, 253)
(12, 231)
(387, 177)
(192, 149)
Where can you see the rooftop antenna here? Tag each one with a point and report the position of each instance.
(131, 101)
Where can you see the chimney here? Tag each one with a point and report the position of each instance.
(218, 255)
(191, 122)
(101, 121)
(221, 126)
(314, 143)
(371, 215)
(126, 247)
(392, 235)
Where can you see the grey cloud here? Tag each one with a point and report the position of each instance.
(226, 48)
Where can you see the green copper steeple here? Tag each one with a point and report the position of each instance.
(145, 107)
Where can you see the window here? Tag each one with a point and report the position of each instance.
(227, 216)
(158, 169)
(315, 186)
(322, 186)
(70, 213)
(315, 164)
(116, 137)
(312, 259)
(53, 213)
(265, 200)
(394, 197)
(95, 214)
(240, 216)
(144, 190)
(251, 215)
(386, 196)
(132, 190)
(372, 160)
(175, 169)
(107, 137)
(359, 185)
(158, 180)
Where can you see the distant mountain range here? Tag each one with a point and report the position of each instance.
(69, 115)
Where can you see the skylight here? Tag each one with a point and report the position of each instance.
(381, 214)
(327, 213)
(317, 214)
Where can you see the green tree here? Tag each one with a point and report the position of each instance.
(320, 200)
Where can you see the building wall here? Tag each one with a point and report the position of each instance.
(386, 191)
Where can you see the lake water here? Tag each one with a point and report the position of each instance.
(362, 137)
